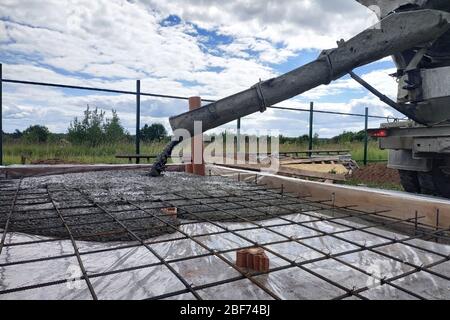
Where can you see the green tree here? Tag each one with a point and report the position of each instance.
(94, 129)
(155, 132)
(89, 130)
(36, 134)
(348, 136)
(114, 131)
(17, 134)
(304, 138)
(315, 138)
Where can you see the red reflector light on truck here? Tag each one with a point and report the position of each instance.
(378, 133)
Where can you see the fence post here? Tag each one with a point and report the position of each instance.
(1, 114)
(238, 140)
(138, 119)
(311, 120)
(366, 136)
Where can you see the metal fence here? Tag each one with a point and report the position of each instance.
(138, 94)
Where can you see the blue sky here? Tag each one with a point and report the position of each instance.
(207, 48)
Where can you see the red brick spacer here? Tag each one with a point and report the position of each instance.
(171, 212)
(254, 259)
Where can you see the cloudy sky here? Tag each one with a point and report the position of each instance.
(182, 47)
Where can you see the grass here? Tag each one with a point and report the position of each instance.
(75, 153)
(106, 153)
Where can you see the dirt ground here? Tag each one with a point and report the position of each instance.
(376, 173)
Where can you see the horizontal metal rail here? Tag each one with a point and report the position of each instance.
(333, 112)
(66, 86)
(157, 95)
(138, 94)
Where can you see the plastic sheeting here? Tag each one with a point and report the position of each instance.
(291, 283)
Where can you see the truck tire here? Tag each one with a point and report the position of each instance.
(441, 180)
(426, 182)
(409, 181)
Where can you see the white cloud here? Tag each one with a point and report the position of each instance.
(379, 79)
(299, 24)
(110, 43)
(383, 82)
(266, 51)
(3, 33)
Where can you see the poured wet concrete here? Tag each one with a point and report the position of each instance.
(93, 203)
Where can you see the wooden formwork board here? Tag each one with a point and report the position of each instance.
(293, 171)
(45, 170)
(400, 204)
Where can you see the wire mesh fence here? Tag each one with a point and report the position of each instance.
(138, 94)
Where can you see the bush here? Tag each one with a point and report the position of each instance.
(348, 136)
(114, 131)
(36, 134)
(95, 130)
(17, 134)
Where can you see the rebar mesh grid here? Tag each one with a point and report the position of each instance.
(299, 236)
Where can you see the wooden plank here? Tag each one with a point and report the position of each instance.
(317, 151)
(251, 167)
(309, 160)
(311, 174)
(402, 205)
(134, 156)
(288, 171)
(45, 170)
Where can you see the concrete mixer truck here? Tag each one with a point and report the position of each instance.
(416, 33)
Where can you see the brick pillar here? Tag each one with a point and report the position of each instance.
(198, 169)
